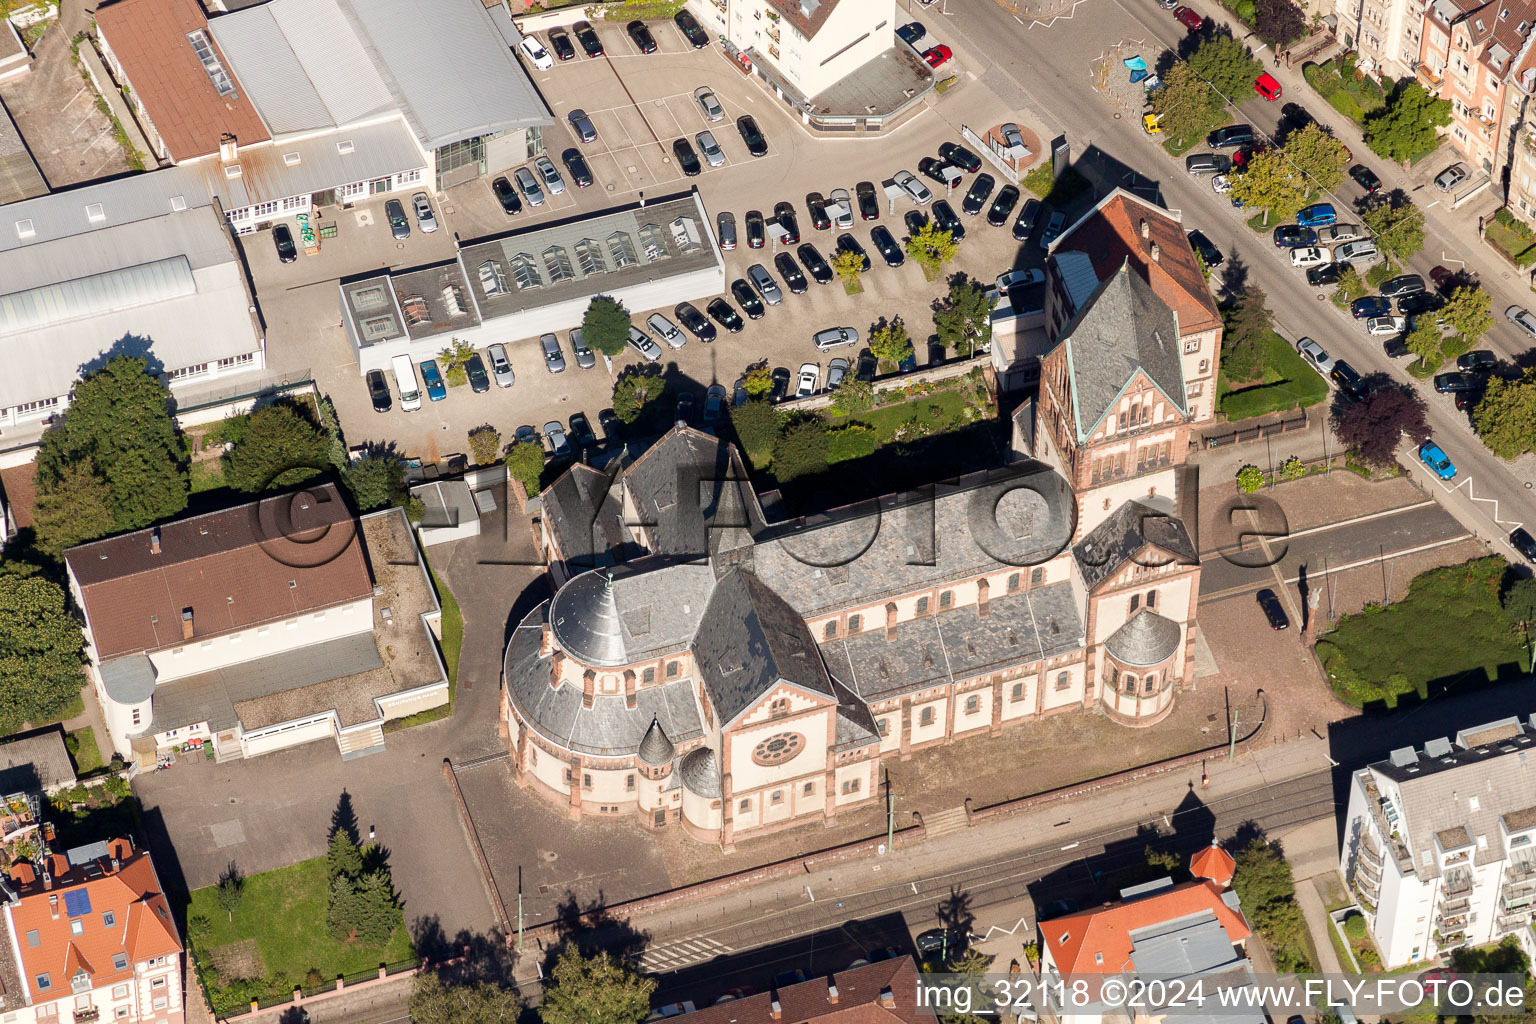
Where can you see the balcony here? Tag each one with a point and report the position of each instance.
(1453, 922)
(1520, 871)
(773, 32)
(773, 51)
(1456, 884)
(89, 1015)
(1399, 849)
(1429, 78)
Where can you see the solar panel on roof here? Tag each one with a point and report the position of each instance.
(77, 903)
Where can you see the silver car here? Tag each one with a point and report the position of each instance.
(1338, 233)
(713, 155)
(554, 359)
(584, 357)
(765, 284)
(842, 216)
(837, 369)
(642, 344)
(1012, 137)
(528, 185)
(1315, 354)
(559, 444)
(551, 175)
(916, 190)
(713, 111)
(501, 368)
(1356, 252)
(667, 330)
(424, 216)
(1522, 318)
(835, 337)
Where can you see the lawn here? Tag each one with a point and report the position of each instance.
(1289, 383)
(1518, 247)
(82, 747)
(453, 640)
(282, 914)
(1449, 630)
(207, 476)
(1353, 97)
(887, 419)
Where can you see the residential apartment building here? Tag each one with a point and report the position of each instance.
(883, 992)
(1522, 171)
(89, 938)
(1384, 34)
(1439, 843)
(837, 63)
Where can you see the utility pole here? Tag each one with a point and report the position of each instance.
(890, 813)
(1231, 729)
(519, 908)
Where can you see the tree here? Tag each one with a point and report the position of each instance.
(853, 396)
(757, 425)
(1398, 230)
(1267, 891)
(1424, 341)
(41, 651)
(1278, 22)
(1520, 606)
(758, 380)
(1227, 64)
(1404, 127)
(889, 343)
(1374, 426)
(605, 325)
(1319, 156)
(1245, 340)
(375, 482)
(1505, 416)
(1351, 283)
(525, 461)
(1467, 310)
(283, 445)
(635, 392)
(1271, 183)
(485, 445)
(963, 318)
(376, 908)
(599, 989)
(435, 1001)
(343, 859)
(340, 908)
(231, 888)
(76, 507)
(1186, 106)
(801, 450)
(119, 419)
(932, 247)
(849, 267)
(454, 359)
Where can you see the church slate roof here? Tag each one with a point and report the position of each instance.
(610, 617)
(1146, 639)
(581, 510)
(1131, 526)
(700, 772)
(655, 749)
(1124, 329)
(684, 460)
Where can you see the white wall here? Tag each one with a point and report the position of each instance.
(307, 731)
(204, 655)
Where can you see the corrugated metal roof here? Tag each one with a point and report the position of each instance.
(376, 151)
(343, 71)
(140, 197)
(270, 71)
(100, 293)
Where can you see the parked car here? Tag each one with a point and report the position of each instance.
(1221, 184)
(1457, 380)
(587, 37)
(1328, 273)
(747, 299)
(1188, 18)
(1438, 462)
(687, 159)
(689, 316)
(847, 243)
(1012, 137)
(961, 157)
(910, 33)
(666, 330)
(1209, 254)
(937, 170)
(1478, 361)
(1523, 542)
(644, 344)
(1402, 284)
(945, 218)
(1318, 215)
(1395, 348)
(713, 155)
(550, 175)
(725, 230)
(529, 186)
(816, 207)
(1419, 302)
(1274, 611)
(1310, 256)
(936, 940)
(576, 166)
(1444, 278)
(582, 125)
(1315, 354)
(536, 54)
(1024, 223)
(378, 391)
(724, 314)
(1386, 326)
(834, 337)
(757, 230)
(1207, 163)
(561, 44)
(282, 240)
(886, 244)
(766, 286)
(399, 227)
(1335, 234)
(559, 442)
(554, 359)
(976, 196)
(1053, 227)
(1451, 177)
(757, 145)
(869, 206)
(714, 403)
(506, 195)
(810, 376)
(1291, 236)
(794, 280)
(613, 427)
(837, 370)
(432, 379)
(1347, 378)
(1020, 279)
(1365, 178)
(781, 379)
(474, 369)
(582, 435)
(784, 216)
(814, 264)
(579, 348)
(841, 210)
(915, 190)
(709, 103)
(1231, 136)
(1522, 318)
(1369, 306)
(501, 367)
(691, 29)
(938, 56)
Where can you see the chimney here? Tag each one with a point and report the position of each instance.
(890, 621)
(887, 998)
(774, 1009)
(227, 148)
(186, 623)
(117, 865)
(154, 541)
(1146, 232)
(1157, 253)
(983, 596)
(831, 991)
(546, 640)
(557, 662)
(588, 685)
(629, 689)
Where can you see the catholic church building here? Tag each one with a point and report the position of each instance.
(705, 665)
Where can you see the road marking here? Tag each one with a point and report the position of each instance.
(1363, 519)
(1396, 554)
(1467, 483)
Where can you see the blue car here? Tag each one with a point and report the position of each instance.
(1319, 215)
(433, 380)
(1431, 455)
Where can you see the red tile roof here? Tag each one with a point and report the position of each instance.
(1214, 863)
(859, 992)
(142, 927)
(1112, 233)
(149, 40)
(1099, 941)
(240, 567)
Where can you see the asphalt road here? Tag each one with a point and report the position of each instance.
(1051, 67)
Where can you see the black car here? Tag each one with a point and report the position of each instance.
(937, 940)
(1415, 303)
(507, 196)
(282, 238)
(1369, 306)
(1274, 611)
(944, 216)
(1206, 248)
(915, 220)
(1395, 347)
(1523, 542)
(1024, 223)
(1230, 137)
(613, 427)
(847, 243)
(757, 230)
(723, 314)
(889, 250)
(1292, 236)
(378, 390)
(1327, 273)
(781, 378)
(1402, 284)
(869, 206)
(1480, 361)
(1365, 178)
(747, 299)
(691, 318)
(580, 431)
(910, 33)
(784, 214)
(790, 272)
(1346, 377)
(1466, 401)
(685, 407)
(814, 264)
(756, 144)
(960, 157)
(1446, 383)
(479, 380)
(581, 174)
(642, 36)
(586, 35)
(561, 44)
(816, 205)
(691, 29)
(933, 168)
(976, 195)
(687, 159)
(1002, 206)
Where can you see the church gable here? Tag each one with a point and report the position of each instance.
(1134, 536)
(786, 698)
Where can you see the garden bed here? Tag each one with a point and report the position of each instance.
(1349, 93)
(1289, 383)
(1514, 241)
(452, 641)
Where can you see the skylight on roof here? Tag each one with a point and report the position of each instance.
(222, 83)
(178, 203)
(291, 159)
(95, 213)
(24, 229)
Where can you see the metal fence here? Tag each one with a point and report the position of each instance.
(1257, 432)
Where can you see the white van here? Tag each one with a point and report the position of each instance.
(405, 379)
